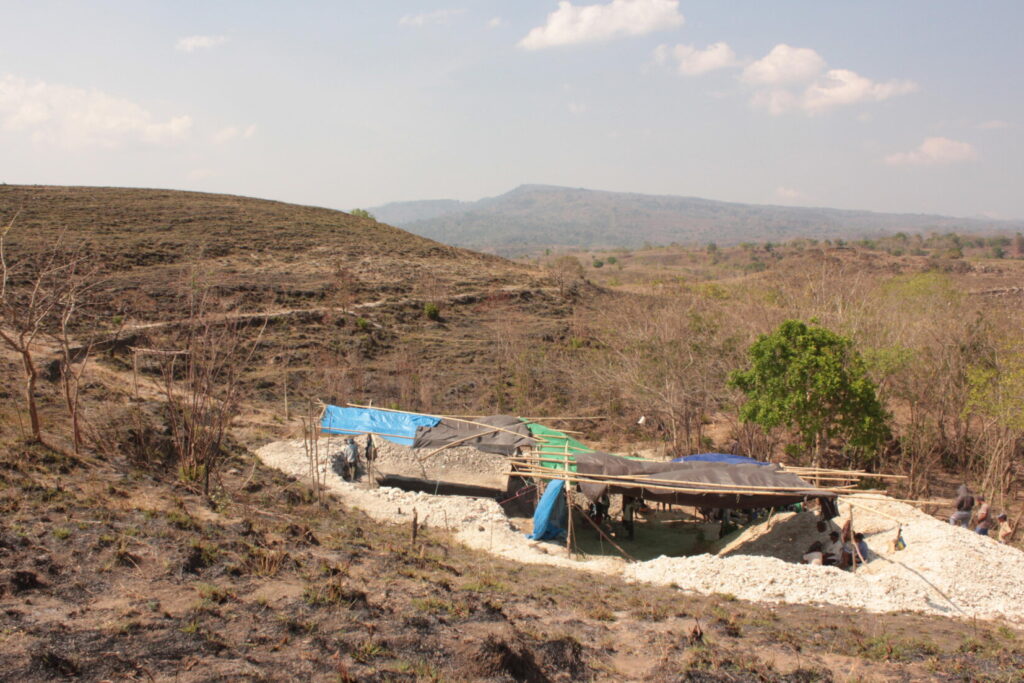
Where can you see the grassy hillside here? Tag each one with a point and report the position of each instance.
(532, 218)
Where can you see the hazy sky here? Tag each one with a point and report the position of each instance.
(915, 105)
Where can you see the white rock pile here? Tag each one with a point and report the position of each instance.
(943, 570)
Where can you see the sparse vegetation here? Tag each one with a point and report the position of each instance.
(254, 569)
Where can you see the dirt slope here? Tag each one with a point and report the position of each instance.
(356, 310)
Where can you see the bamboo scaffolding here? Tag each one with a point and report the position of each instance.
(679, 486)
(836, 478)
(682, 489)
(853, 473)
(612, 478)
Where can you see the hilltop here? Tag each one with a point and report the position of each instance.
(355, 308)
(532, 218)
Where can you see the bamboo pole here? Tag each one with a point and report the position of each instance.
(568, 524)
(850, 479)
(584, 479)
(607, 538)
(643, 481)
(356, 432)
(612, 478)
(444, 417)
(874, 511)
(455, 443)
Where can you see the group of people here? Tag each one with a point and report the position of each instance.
(841, 550)
(346, 462)
(631, 507)
(984, 522)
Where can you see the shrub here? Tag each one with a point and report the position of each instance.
(432, 311)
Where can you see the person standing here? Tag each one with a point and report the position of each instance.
(350, 455)
(983, 520)
(628, 511)
(964, 505)
(1005, 528)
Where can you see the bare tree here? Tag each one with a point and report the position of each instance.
(39, 292)
(201, 366)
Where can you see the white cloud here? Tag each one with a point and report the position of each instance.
(995, 124)
(229, 133)
(933, 152)
(495, 22)
(842, 87)
(785, 65)
(75, 117)
(693, 62)
(438, 16)
(571, 25)
(577, 107)
(193, 43)
(791, 78)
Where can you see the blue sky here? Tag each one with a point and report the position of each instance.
(911, 106)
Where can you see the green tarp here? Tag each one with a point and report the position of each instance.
(556, 447)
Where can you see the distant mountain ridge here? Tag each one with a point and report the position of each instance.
(535, 217)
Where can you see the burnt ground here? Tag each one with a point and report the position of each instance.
(354, 309)
(112, 571)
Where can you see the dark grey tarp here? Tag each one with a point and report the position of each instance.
(699, 481)
(488, 440)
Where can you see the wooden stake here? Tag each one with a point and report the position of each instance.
(607, 538)
(568, 510)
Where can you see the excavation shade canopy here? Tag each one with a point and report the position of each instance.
(701, 484)
(499, 441)
(397, 427)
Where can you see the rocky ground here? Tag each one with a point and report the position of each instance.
(113, 571)
(944, 570)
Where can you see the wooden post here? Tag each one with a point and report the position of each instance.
(605, 537)
(568, 524)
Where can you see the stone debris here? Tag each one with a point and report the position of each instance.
(943, 570)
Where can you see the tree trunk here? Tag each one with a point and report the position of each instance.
(30, 393)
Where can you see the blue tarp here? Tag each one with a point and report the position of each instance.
(397, 427)
(727, 458)
(550, 512)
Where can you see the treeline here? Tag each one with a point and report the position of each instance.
(948, 366)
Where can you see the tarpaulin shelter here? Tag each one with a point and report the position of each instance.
(550, 513)
(510, 433)
(701, 484)
(727, 458)
(556, 449)
(397, 427)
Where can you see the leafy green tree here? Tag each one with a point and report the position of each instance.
(812, 380)
(362, 213)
